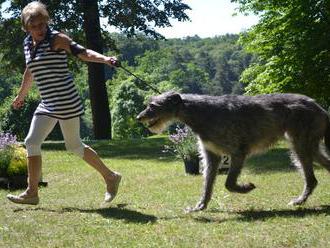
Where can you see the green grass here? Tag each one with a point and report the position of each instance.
(148, 211)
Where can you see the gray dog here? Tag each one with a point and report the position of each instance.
(243, 125)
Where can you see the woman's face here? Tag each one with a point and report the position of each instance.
(38, 29)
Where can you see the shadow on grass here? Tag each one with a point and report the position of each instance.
(151, 148)
(119, 213)
(263, 215)
(256, 215)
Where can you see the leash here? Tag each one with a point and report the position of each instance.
(140, 79)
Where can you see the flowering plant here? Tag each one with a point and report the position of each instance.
(12, 156)
(183, 143)
(7, 139)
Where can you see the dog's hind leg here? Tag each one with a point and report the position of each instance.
(211, 163)
(304, 161)
(237, 162)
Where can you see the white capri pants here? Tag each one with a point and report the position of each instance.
(42, 125)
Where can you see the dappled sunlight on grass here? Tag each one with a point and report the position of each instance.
(149, 208)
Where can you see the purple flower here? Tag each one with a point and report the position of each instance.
(183, 143)
(7, 139)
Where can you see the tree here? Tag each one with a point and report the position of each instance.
(292, 44)
(128, 103)
(96, 76)
(81, 19)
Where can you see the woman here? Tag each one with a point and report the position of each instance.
(46, 62)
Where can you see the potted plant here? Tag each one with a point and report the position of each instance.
(13, 163)
(183, 143)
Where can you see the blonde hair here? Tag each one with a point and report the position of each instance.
(33, 11)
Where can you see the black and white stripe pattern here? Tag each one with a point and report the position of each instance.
(49, 68)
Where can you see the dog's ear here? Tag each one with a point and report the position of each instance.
(176, 99)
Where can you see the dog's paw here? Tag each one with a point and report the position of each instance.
(247, 187)
(244, 188)
(199, 207)
(240, 188)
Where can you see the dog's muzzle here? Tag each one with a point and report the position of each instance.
(148, 122)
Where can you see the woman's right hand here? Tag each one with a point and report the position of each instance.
(18, 102)
(113, 62)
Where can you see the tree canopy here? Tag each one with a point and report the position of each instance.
(293, 48)
(130, 17)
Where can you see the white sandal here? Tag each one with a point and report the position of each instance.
(110, 196)
(23, 200)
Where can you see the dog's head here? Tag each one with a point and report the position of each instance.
(161, 111)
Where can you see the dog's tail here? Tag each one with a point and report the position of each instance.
(327, 135)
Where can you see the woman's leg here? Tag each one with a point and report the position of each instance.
(34, 173)
(40, 127)
(111, 178)
(71, 133)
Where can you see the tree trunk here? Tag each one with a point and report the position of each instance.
(96, 76)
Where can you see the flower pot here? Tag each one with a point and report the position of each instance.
(17, 182)
(191, 165)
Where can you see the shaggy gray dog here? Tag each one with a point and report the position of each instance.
(243, 125)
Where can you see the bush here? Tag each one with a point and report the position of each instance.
(18, 121)
(128, 102)
(5, 157)
(18, 163)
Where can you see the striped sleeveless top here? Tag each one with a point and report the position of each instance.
(59, 96)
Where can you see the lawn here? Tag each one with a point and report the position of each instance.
(148, 211)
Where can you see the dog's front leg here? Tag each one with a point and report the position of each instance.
(237, 162)
(210, 172)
